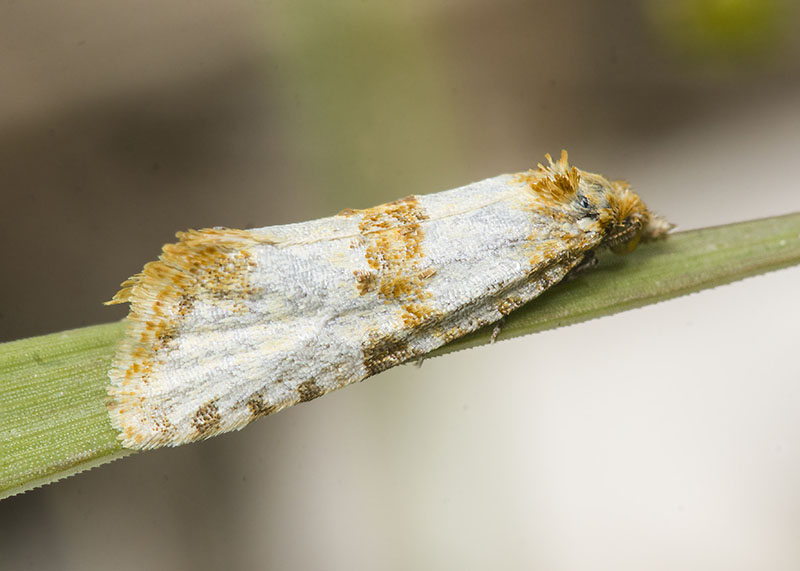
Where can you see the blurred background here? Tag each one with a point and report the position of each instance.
(662, 438)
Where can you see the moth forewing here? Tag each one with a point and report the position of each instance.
(231, 325)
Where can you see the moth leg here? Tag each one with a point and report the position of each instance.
(587, 263)
(496, 331)
(418, 362)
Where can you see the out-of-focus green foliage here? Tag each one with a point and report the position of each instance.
(719, 31)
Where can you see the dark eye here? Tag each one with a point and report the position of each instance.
(587, 207)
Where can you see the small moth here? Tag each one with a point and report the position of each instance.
(231, 325)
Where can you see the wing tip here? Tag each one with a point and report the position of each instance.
(201, 263)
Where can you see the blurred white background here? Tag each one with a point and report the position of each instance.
(662, 438)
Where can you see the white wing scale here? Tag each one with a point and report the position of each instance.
(270, 317)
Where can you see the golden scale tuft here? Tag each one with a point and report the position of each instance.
(556, 182)
(626, 219)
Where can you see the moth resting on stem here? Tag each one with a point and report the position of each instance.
(230, 325)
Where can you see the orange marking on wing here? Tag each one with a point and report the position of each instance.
(203, 264)
(394, 236)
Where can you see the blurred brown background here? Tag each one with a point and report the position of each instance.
(662, 438)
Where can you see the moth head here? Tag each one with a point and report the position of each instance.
(628, 220)
(595, 204)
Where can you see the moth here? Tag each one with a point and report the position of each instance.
(231, 325)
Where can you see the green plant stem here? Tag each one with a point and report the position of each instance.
(52, 397)
(53, 420)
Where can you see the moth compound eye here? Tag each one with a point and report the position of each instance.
(588, 214)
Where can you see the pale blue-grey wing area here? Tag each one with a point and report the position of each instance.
(280, 315)
(486, 250)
